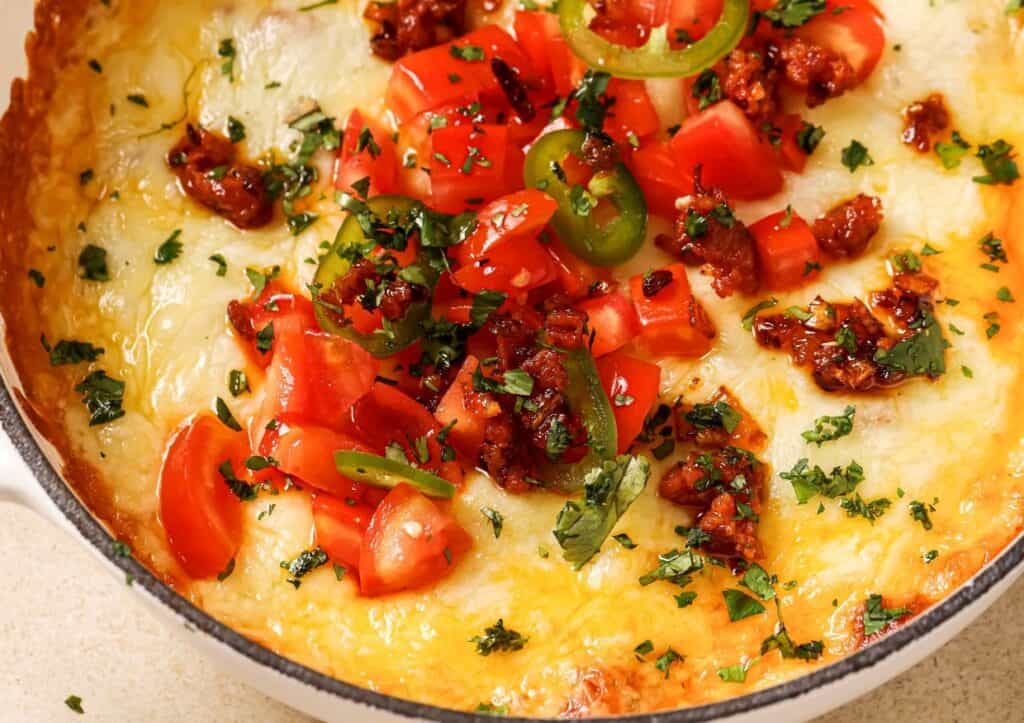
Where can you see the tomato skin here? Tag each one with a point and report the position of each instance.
(502, 254)
(340, 527)
(534, 31)
(632, 110)
(469, 409)
(732, 157)
(306, 452)
(851, 28)
(451, 186)
(409, 543)
(352, 165)
(672, 322)
(626, 376)
(575, 275)
(785, 251)
(790, 153)
(662, 180)
(694, 17)
(513, 268)
(313, 376)
(200, 514)
(613, 320)
(520, 215)
(420, 81)
(385, 415)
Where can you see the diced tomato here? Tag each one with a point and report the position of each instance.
(506, 221)
(632, 385)
(467, 165)
(575, 276)
(672, 321)
(313, 377)
(787, 250)
(340, 527)
(512, 268)
(852, 28)
(199, 512)
(439, 76)
(631, 111)
(385, 416)
(366, 152)
(613, 320)
(469, 409)
(554, 62)
(729, 151)
(409, 543)
(794, 158)
(534, 29)
(306, 452)
(660, 177)
(692, 19)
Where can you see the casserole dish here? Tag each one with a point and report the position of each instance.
(321, 695)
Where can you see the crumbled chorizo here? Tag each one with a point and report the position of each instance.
(540, 425)
(924, 119)
(502, 455)
(820, 72)
(240, 317)
(716, 483)
(917, 605)
(747, 433)
(707, 233)
(600, 152)
(372, 287)
(406, 26)
(847, 229)
(566, 327)
(815, 342)
(750, 81)
(209, 172)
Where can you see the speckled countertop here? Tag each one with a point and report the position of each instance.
(67, 627)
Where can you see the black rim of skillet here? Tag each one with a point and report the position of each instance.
(197, 620)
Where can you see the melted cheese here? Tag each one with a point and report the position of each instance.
(165, 333)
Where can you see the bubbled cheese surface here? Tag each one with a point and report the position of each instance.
(166, 335)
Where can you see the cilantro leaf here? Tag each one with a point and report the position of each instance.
(498, 638)
(608, 491)
(876, 617)
(828, 429)
(740, 605)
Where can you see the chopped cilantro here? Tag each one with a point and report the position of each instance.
(808, 482)
(794, 13)
(666, 660)
(69, 351)
(921, 354)
(919, 512)
(999, 162)
(952, 153)
(225, 416)
(752, 312)
(498, 638)
(496, 519)
(856, 155)
(169, 250)
(222, 264)
(740, 605)
(103, 396)
(828, 429)
(856, 507)
(608, 491)
(876, 617)
(92, 264)
(717, 415)
(809, 137)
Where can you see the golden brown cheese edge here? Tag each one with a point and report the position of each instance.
(24, 151)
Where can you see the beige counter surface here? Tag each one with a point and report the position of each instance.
(68, 628)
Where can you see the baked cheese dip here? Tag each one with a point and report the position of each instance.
(553, 361)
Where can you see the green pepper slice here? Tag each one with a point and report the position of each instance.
(586, 397)
(396, 335)
(655, 59)
(372, 469)
(582, 225)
